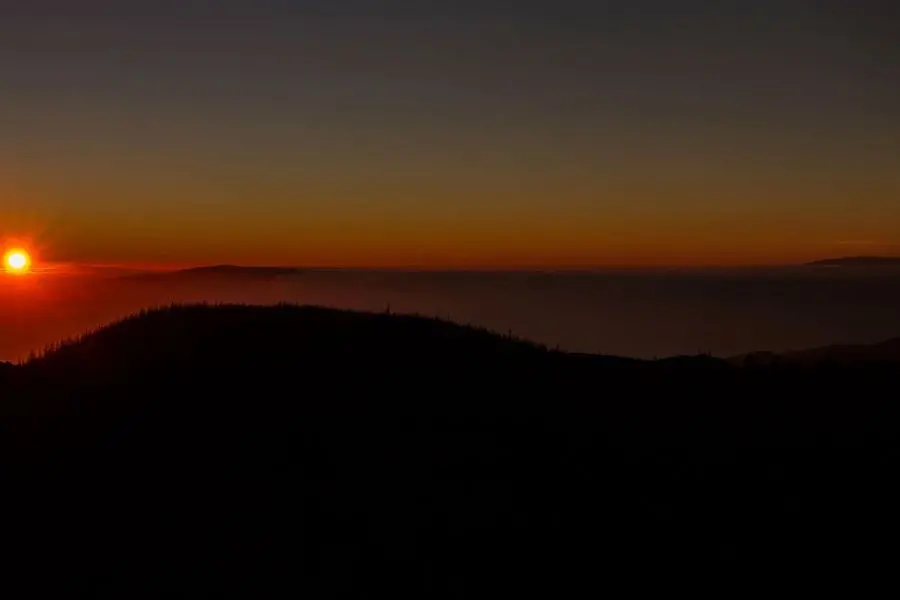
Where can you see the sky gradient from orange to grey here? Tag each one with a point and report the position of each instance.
(489, 134)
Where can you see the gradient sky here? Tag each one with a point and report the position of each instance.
(455, 134)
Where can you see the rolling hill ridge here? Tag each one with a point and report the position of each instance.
(267, 450)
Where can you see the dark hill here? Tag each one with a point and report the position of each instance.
(858, 261)
(270, 452)
(6, 370)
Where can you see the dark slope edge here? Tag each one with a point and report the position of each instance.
(266, 452)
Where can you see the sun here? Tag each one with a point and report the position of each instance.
(17, 261)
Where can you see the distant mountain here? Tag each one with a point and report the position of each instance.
(888, 350)
(882, 352)
(219, 272)
(858, 261)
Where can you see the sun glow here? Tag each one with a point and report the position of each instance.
(17, 261)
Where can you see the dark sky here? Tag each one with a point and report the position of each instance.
(450, 133)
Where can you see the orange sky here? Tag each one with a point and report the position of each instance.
(670, 221)
(479, 138)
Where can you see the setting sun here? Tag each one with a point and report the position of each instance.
(17, 261)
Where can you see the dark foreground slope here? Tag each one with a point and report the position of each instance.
(269, 452)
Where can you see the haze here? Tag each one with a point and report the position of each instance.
(643, 313)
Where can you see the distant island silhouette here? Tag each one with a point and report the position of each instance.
(886, 351)
(237, 272)
(857, 261)
(268, 272)
(265, 451)
(217, 271)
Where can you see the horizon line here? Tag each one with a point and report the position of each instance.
(74, 266)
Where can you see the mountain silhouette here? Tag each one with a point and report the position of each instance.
(858, 261)
(280, 451)
(887, 351)
(217, 272)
